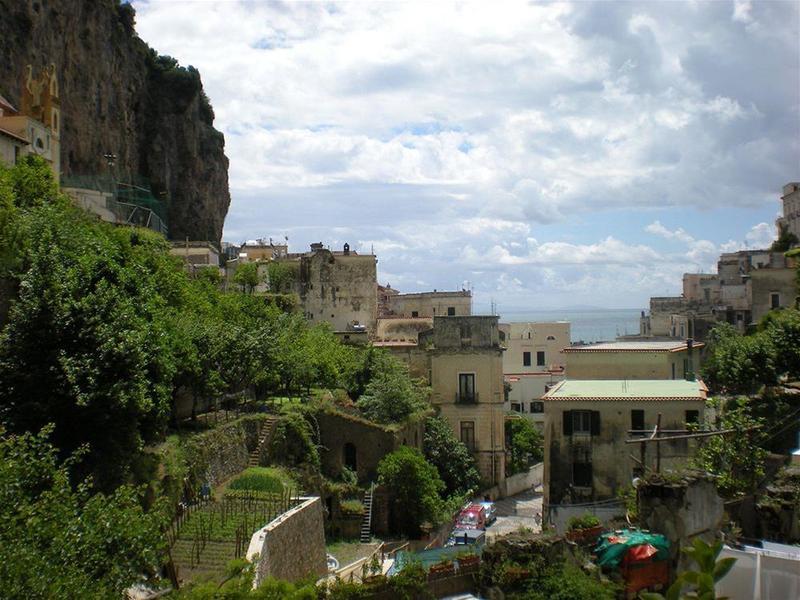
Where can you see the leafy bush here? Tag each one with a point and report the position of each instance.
(293, 442)
(351, 507)
(585, 521)
(416, 486)
(260, 479)
(60, 541)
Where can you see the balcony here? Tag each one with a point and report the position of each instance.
(469, 398)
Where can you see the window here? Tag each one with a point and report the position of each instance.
(517, 407)
(692, 416)
(350, 460)
(540, 359)
(414, 314)
(537, 407)
(529, 335)
(526, 359)
(581, 421)
(637, 420)
(774, 300)
(685, 366)
(451, 311)
(466, 387)
(551, 338)
(673, 370)
(582, 474)
(468, 434)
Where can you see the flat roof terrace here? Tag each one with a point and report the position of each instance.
(637, 346)
(627, 389)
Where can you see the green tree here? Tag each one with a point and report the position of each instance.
(526, 445)
(391, 396)
(281, 277)
(416, 487)
(452, 459)
(737, 460)
(86, 345)
(737, 364)
(246, 276)
(57, 541)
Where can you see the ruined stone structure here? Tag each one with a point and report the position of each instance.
(791, 209)
(353, 442)
(336, 287)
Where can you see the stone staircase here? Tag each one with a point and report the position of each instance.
(366, 522)
(264, 436)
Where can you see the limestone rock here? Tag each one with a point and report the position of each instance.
(118, 96)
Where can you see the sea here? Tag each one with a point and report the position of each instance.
(591, 325)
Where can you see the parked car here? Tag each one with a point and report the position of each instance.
(472, 517)
(491, 511)
(465, 537)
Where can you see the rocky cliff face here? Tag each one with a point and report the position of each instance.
(117, 95)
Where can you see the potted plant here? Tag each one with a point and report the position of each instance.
(468, 560)
(445, 568)
(583, 529)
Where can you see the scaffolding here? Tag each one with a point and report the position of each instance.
(131, 202)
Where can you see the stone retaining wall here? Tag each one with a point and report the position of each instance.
(292, 546)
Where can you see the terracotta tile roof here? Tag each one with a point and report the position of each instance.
(13, 135)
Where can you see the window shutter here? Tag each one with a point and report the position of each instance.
(595, 422)
(567, 415)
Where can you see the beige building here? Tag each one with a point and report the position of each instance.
(336, 286)
(262, 249)
(400, 337)
(12, 145)
(430, 304)
(196, 253)
(747, 285)
(466, 376)
(587, 423)
(672, 359)
(532, 363)
(36, 127)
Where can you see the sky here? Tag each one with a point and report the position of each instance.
(545, 155)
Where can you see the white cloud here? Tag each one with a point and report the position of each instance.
(435, 130)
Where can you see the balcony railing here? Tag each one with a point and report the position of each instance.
(469, 398)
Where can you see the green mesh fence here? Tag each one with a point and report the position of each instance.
(129, 196)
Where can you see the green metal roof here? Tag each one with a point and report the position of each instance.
(628, 389)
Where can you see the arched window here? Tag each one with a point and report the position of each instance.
(350, 460)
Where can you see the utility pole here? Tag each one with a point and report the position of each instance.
(683, 434)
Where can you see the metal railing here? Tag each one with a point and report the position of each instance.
(468, 398)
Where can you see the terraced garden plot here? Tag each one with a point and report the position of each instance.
(220, 531)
